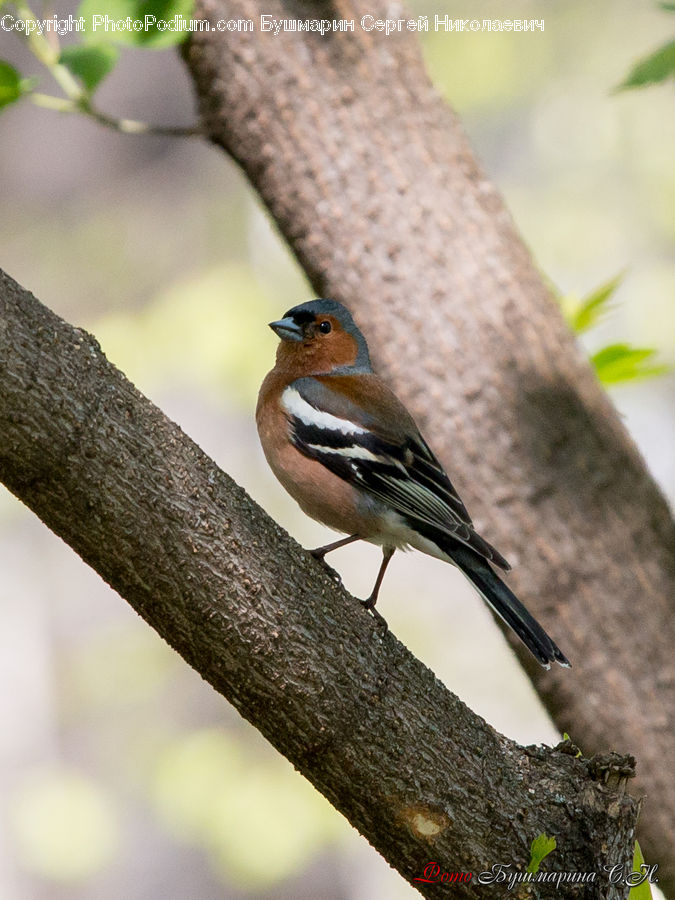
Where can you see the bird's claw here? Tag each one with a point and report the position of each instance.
(380, 621)
(329, 570)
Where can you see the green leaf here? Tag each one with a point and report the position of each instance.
(619, 363)
(588, 311)
(90, 63)
(657, 67)
(142, 23)
(669, 7)
(640, 891)
(10, 84)
(540, 849)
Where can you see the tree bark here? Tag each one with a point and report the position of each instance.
(419, 774)
(372, 182)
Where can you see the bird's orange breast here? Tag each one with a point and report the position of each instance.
(320, 494)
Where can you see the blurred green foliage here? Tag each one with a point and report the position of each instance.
(209, 790)
(656, 68)
(10, 84)
(117, 668)
(89, 64)
(615, 363)
(64, 824)
(187, 335)
(618, 363)
(583, 313)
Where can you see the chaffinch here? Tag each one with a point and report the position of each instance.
(348, 451)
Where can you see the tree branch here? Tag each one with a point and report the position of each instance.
(372, 182)
(419, 774)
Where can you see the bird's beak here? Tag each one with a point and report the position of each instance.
(287, 329)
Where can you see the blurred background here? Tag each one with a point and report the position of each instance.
(122, 774)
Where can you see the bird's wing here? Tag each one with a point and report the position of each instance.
(357, 428)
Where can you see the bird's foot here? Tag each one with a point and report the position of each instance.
(380, 621)
(329, 570)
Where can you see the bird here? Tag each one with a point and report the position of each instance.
(349, 452)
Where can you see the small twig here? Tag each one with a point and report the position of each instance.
(77, 99)
(126, 126)
(132, 126)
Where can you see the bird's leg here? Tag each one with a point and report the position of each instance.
(320, 553)
(369, 604)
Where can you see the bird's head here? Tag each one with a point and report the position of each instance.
(320, 337)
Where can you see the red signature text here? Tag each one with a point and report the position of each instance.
(433, 874)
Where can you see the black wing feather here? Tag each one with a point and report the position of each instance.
(403, 474)
(399, 469)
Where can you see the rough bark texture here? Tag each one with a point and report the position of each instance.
(372, 182)
(419, 774)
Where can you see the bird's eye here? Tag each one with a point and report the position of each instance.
(325, 327)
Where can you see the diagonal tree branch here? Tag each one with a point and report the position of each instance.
(372, 182)
(419, 774)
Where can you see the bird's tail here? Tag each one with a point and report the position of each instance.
(508, 607)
